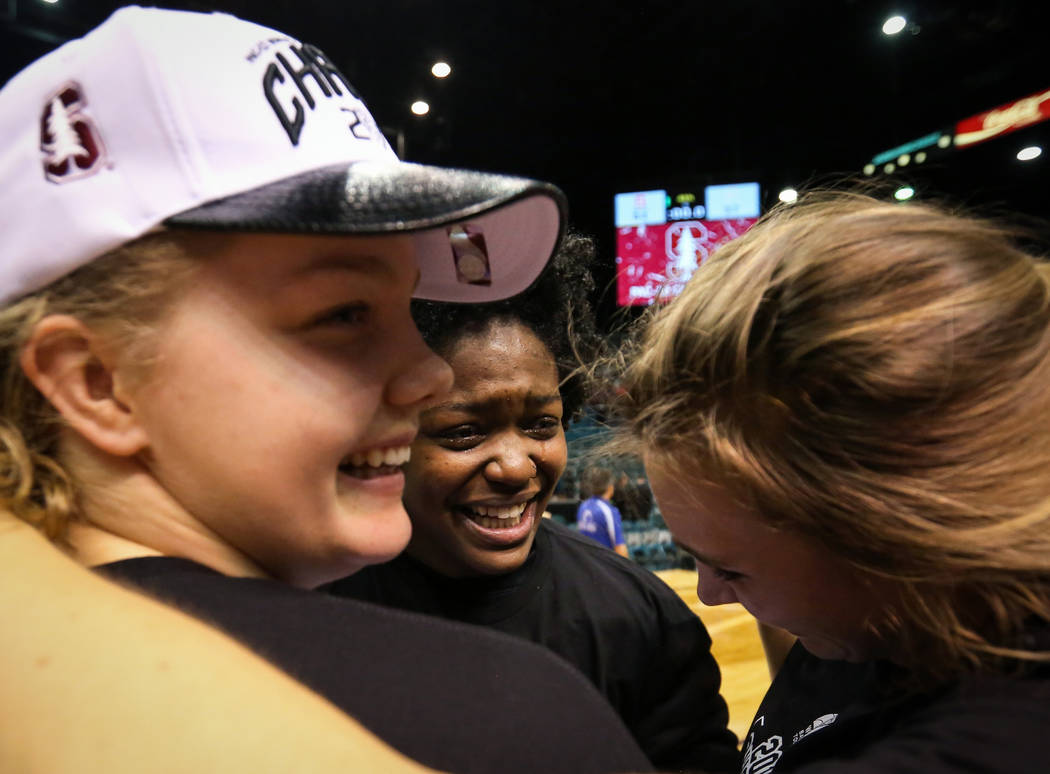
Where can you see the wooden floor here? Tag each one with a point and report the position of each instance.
(736, 647)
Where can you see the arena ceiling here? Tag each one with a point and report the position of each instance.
(610, 97)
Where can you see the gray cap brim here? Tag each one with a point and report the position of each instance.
(480, 237)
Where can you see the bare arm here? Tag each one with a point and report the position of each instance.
(99, 677)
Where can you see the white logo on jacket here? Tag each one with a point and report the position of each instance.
(761, 758)
(822, 722)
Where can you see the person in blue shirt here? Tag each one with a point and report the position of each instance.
(597, 517)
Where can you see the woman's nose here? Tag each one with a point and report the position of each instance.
(511, 464)
(711, 589)
(423, 377)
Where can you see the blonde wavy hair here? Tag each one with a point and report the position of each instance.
(876, 377)
(122, 295)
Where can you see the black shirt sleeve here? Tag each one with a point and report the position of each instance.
(457, 698)
(682, 720)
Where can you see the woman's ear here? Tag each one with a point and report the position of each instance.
(67, 363)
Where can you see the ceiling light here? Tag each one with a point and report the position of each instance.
(869, 169)
(889, 168)
(788, 195)
(440, 69)
(903, 160)
(1029, 153)
(920, 157)
(893, 25)
(50, 2)
(904, 193)
(420, 108)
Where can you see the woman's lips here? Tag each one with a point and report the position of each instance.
(390, 457)
(498, 531)
(378, 469)
(383, 481)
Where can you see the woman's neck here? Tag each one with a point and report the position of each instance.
(93, 546)
(125, 513)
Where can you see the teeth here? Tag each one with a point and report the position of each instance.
(377, 458)
(500, 512)
(496, 517)
(491, 523)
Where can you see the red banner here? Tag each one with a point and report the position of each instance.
(1002, 120)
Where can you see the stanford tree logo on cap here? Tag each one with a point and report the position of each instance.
(71, 144)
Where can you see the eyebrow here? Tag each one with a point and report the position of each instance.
(532, 401)
(701, 557)
(343, 262)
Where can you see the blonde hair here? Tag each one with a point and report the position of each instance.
(876, 377)
(122, 295)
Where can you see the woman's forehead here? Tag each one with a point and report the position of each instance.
(502, 344)
(285, 257)
(504, 365)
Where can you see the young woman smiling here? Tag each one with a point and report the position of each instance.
(482, 471)
(211, 377)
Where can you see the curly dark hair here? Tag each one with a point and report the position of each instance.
(556, 307)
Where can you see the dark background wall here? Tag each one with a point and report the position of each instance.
(621, 97)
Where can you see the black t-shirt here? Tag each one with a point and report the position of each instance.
(452, 697)
(833, 717)
(619, 624)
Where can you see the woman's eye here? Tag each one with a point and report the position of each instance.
(459, 437)
(544, 427)
(347, 314)
(726, 575)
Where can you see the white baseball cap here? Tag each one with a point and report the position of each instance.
(162, 118)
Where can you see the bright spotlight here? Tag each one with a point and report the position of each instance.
(1029, 153)
(440, 69)
(50, 2)
(920, 157)
(788, 195)
(893, 25)
(904, 193)
(869, 169)
(420, 108)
